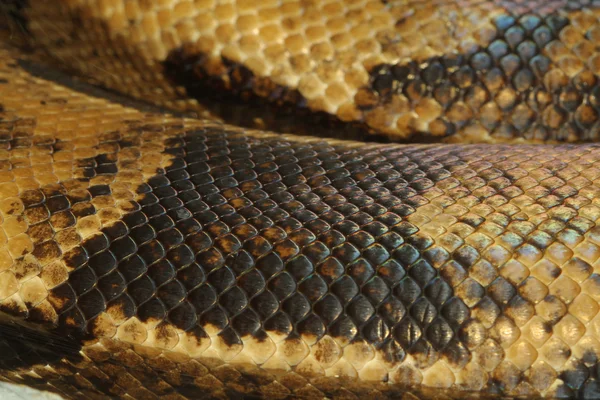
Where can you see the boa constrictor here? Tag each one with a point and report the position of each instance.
(163, 234)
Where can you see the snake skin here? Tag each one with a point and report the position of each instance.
(148, 255)
(427, 70)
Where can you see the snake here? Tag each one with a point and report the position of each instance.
(300, 199)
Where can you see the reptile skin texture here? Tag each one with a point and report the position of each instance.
(146, 253)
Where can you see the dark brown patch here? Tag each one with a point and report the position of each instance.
(62, 297)
(62, 220)
(22, 347)
(256, 102)
(179, 258)
(24, 268)
(31, 198)
(40, 232)
(47, 251)
(103, 164)
(14, 309)
(510, 73)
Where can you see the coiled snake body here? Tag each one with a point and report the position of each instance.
(149, 254)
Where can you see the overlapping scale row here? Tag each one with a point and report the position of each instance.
(470, 71)
(199, 249)
(534, 80)
(446, 266)
(466, 267)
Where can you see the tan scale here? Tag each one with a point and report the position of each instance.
(324, 50)
(558, 286)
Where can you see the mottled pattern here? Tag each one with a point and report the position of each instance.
(145, 255)
(468, 70)
(451, 267)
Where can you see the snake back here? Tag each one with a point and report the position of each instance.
(148, 254)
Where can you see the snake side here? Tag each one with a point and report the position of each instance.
(148, 254)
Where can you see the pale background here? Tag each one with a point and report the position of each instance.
(9, 391)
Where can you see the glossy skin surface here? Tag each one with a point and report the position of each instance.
(144, 254)
(454, 71)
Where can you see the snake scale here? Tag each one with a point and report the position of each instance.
(163, 236)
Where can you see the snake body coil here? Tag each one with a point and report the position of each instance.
(149, 255)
